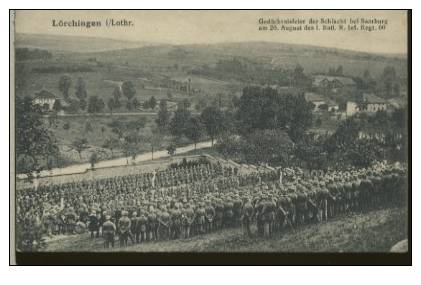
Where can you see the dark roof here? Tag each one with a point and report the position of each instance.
(313, 97)
(397, 102)
(318, 79)
(44, 94)
(373, 99)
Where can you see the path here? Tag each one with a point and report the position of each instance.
(79, 168)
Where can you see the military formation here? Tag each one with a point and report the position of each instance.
(179, 203)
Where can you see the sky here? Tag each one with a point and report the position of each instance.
(201, 27)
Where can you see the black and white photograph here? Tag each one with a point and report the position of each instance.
(210, 132)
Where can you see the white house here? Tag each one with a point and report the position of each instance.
(370, 104)
(351, 108)
(45, 98)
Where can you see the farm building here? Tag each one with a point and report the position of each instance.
(370, 104)
(45, 98)
(397, 102)
(332, 82)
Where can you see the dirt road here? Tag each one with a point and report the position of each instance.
(79, 168)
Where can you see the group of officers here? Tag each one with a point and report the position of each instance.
(269, 201)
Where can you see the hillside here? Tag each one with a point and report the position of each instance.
(151, 55)
(313, 59)
(73, 43)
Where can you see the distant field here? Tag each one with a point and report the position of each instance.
(102, 81)
(375, 231)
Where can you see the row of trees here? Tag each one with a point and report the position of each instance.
(96, 104)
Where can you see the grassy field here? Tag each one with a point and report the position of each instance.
(375, 231)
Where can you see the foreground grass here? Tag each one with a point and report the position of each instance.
(376, 231)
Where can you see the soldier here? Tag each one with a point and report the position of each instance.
(200, 218)
(153, 225)
(301, 207)
(70, 220)
(260, 203)
(83, 212)
(331, 199)
(133, 228)
(164, 224)
(228, 213)
(219, 213)
(175, 223)
(187, 219)
(141, 228)
(237, 205)
(117, 216)
(365, 192)
(210, 215)
(124, 225)
(321, 201)
(284, 207)
(347, 194)
(267, 216)
(108, 232)
(247, 213)
(93, 225)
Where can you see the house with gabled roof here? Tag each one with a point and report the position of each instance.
(332, 82)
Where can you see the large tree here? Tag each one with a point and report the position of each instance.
(213, 120)
(156, 140)
(111, 104)
(117, 96)
(163, 116)
(64, 84)
(178, 124)
(263, 108)
(95, 104)
(194, 130)
(81, 93)
(128, 90)
(34, 142)
(389, 82)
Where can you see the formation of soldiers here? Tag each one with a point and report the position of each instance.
(184, 202)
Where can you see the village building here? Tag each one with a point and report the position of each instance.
(45, 99)
(397, 102)
(321, 102)
(370, 104)
(333, 83)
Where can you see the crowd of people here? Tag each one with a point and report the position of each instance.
(182, 202)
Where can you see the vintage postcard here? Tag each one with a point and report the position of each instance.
(223, 131)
